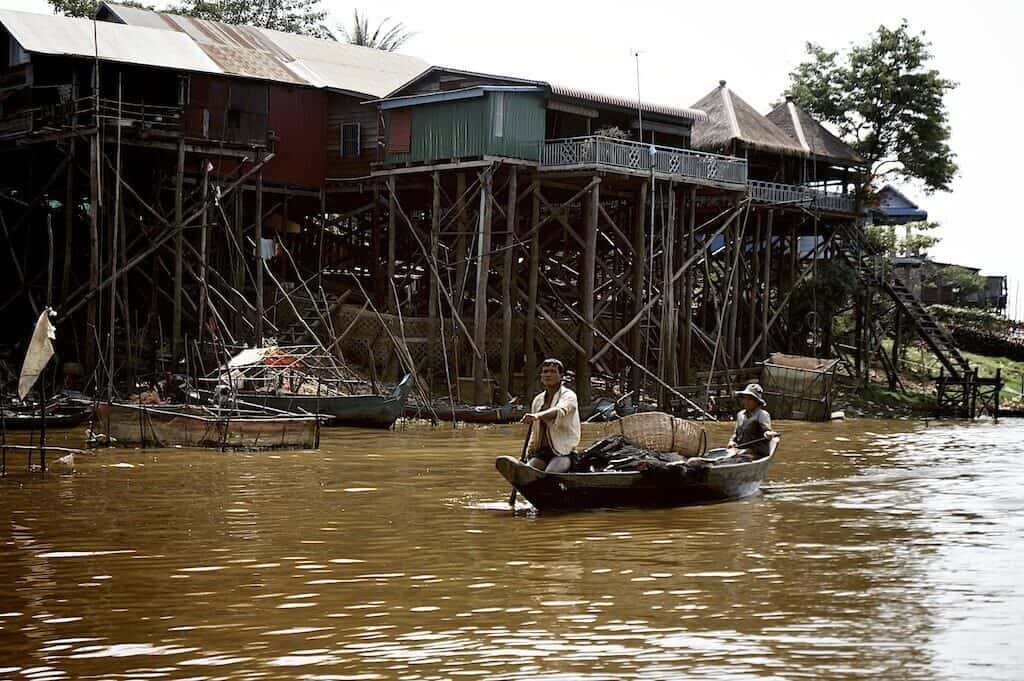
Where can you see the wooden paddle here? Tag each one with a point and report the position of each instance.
(522, 459)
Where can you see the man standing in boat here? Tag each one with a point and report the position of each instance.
(554, 419)
(753, 432)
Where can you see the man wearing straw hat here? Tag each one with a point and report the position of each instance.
(554, 421)
(753, 424)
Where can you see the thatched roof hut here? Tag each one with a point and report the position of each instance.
(811, 135)
(733, 125)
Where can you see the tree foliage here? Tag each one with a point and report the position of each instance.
(916, 239)
(305, 17)
(386, 36)
(886, 101)
(86, 8)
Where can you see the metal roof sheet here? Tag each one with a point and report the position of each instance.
(695, 115)
(57, 35)
(263, 53)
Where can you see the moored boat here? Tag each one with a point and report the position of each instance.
(186, 425)
(56, 416)
(677, 485)
(467, 413)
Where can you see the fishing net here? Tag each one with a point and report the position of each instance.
(661, 432)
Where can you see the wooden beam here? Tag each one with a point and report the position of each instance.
(505, 376)
(533, 275)
(483, 266)
(639, 269)
(587, 274)
(258, 240)
(179, 176)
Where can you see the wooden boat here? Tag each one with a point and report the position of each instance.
(62, 416)
(674, 486)
(467, 413)
(188, 425)
(360, 411)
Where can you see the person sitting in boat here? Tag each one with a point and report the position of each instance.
(753, 432)
(555, 420)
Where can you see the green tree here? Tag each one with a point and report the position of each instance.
(305, 17)
(85, 8)
(383, 37)
(886, 101)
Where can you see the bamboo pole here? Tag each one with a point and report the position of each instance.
(766, 300)
(482, 394)
(258, 241)
(460, 243)
(179, 179)
(391, 301)
(688, 284)
(530, 338)
(94, 254)
(639, 263)
(505, 377)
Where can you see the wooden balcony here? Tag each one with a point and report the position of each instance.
(604, 153)
(797, 195)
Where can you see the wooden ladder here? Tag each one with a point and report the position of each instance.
(853, 248)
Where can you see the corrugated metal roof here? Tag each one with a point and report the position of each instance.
(626, 103)
(48, 34)
(263, 53)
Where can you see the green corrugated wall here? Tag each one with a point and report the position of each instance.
(464, 128)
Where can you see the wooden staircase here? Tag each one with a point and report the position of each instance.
(857, 251)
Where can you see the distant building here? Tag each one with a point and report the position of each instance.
(894, 208)
(919, 274)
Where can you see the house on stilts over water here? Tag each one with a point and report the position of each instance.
(229, 185)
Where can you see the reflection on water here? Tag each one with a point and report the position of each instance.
(889, 549)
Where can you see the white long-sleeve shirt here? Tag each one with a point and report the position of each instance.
(564, 429)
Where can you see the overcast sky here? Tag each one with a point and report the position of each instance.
(687, 47)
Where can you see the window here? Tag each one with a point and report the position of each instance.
(350, 140)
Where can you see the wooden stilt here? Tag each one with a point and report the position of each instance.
(505, 377)
(533, 276)
(435, 237)
(767, 295)
(391, 303)
(639, 278)
(483, 265)
(94, 254)
(204, 236)
(461, 252)
(688, 284)
(897, 341)
(179, 179)
(258, 239)
(587, 274)
(69, 217)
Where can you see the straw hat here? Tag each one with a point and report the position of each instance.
(753, 390)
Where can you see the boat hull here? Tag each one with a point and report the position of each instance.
(58, 419)
(361, 411)
(676, 486)
(190, 426)
(466, 413)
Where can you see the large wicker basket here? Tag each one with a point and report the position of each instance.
(660, 432)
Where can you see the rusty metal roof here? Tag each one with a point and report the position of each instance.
(57, 35)
(250, 52)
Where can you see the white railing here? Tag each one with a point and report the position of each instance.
(773, 192)
(608, 152)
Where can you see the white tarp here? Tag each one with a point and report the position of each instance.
(40, 352)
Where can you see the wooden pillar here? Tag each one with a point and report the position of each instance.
(483, 266)
(388, 293)
(432, 288)
(258, 236)
(767, 297)
(897, 341)
(530, 336)
(732, 278)
(667, 344)
(203, 255)
(506, 286)
(377, 271)
(94, 253)
(754, 290)
(636, 338)
(858, 334)
(592, 210)
(794, 259)
(238, 258)
(69, 216)
(179, 240)
(691, 225)
(461, 253)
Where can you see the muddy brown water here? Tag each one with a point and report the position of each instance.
(885, 549)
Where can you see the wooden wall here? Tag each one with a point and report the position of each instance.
(343, 109)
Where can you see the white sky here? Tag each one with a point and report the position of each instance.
(688, 46)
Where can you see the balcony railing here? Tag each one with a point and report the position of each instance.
(637, 156)
(773, 192)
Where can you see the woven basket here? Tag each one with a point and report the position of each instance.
(659, 432)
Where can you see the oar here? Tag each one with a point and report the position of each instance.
(522, 459)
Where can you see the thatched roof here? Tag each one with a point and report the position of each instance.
(811, 135)
(730, 119)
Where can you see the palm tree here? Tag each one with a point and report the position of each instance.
(384, 37)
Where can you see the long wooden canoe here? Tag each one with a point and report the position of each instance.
(467, 413)
(673, 486)
(65, 416)
(183, 425)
